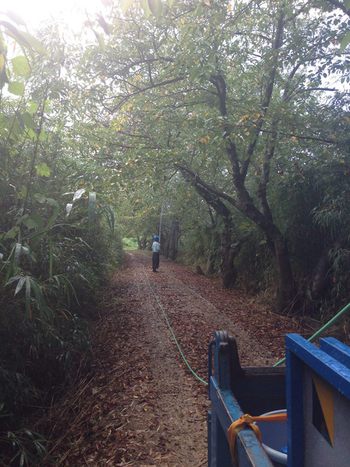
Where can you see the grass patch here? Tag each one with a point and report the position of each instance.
(130, 244)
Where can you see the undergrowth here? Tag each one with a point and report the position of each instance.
(47, 298)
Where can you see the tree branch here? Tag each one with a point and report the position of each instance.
(197, 182)
(219, 82)
(276, 46)
(146, 88)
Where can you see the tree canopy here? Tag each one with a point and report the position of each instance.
(222, 124)
(234, 96)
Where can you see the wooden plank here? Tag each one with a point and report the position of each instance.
(330, 369)
(295, 426)
(336, 349)
(250, 453)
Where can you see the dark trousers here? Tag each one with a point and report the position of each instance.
(155, 261)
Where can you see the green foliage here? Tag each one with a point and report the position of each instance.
(21, 66)
(59, 240)
(24, 447)
(130, 244)
(95, 141)
(244, 110)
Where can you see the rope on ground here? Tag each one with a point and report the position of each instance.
(201, 380)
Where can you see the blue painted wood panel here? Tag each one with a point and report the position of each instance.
(336, 349)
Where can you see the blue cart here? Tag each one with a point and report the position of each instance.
(314, 387)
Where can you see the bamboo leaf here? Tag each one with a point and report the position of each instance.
(13, 279)
(345, 41)
(32, 107)
(156, 7)
(39, 297)
(15, 87)
(34, 43)
(69, 207)
(15, 33)
(30, 222)
(78, 194)
(72, 289)
(53, 217)
(27, 120)
(2, 62)
(12, 233)
(110, 217)
(27, 297)
(20, 284)
(18, 252)
(15, 17)
(50, 259)
(92, 206)
(21, 66)
(40, 198)
(145, 7)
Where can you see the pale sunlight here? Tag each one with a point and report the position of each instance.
(38, 12)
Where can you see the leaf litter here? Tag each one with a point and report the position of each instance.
(140, 406)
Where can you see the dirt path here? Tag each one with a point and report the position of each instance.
(141, 407)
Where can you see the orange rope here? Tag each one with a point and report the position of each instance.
(247, 421)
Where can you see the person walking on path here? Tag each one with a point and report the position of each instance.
(155, 253)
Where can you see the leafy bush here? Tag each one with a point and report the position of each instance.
(130, 244)
(47, 294)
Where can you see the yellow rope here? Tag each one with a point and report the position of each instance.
(247, 421)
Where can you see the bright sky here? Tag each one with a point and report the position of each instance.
(36, 12)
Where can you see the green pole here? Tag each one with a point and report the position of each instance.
(322, 329)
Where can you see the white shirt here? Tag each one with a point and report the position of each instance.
(156, 247)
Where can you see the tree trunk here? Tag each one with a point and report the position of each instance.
(173, 239)
(164, 243)
(320, 279)
(228, 253)
(212, 254)
(170, 239)
(142, 243)
(211, 264)
(319, 275)
(228, 250)
(286, 291)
